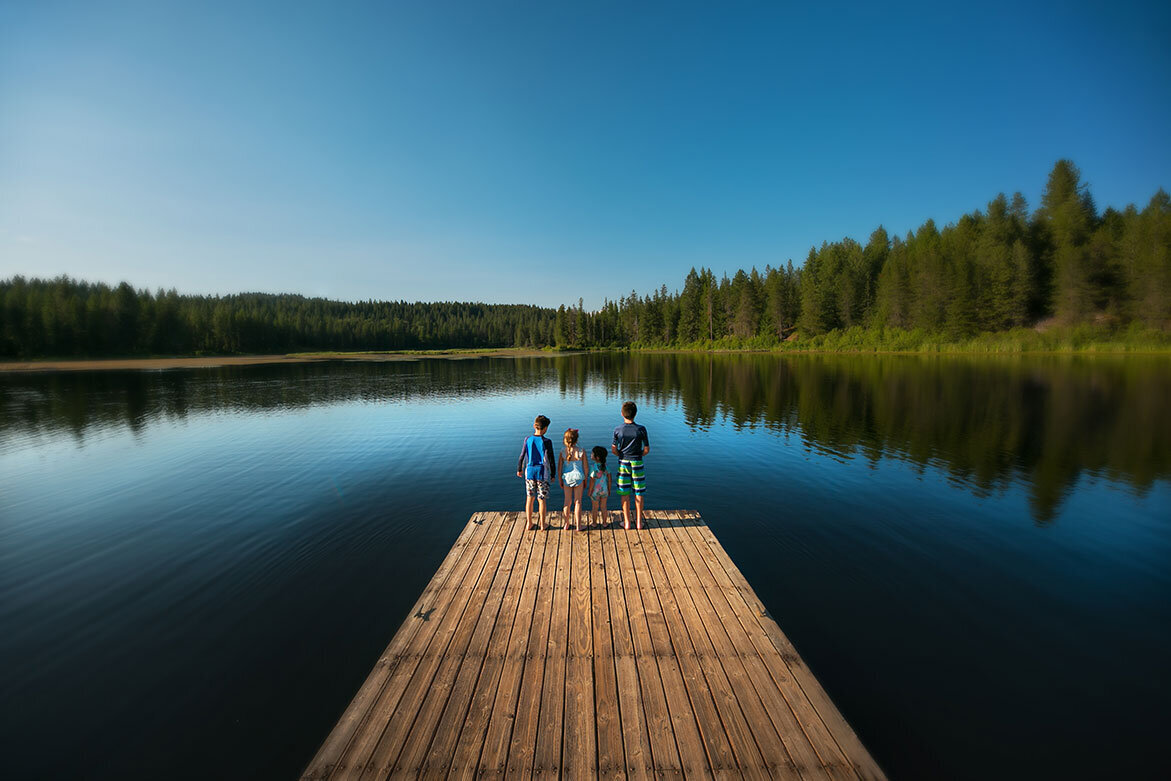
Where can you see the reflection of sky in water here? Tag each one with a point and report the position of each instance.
(256, 541)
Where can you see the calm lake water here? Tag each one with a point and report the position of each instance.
(199, 568)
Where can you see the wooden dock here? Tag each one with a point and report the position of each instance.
(604, 653)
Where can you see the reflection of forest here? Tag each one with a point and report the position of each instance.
(985, 420)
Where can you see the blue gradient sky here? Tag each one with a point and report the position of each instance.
(538, 152)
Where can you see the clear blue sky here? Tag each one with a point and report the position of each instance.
(538, 152)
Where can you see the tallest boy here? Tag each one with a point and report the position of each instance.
(630, 445)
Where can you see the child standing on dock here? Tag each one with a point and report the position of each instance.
(630, 445)
(535, 466)
(572, 468)
(599, 485)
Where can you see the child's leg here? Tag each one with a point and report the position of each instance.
(577, 491)
(541, 503)
(567, 502)
(638, 510)
(529, 510)
(626, 510)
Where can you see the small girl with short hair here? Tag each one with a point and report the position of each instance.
(571, 465)
(599, 485)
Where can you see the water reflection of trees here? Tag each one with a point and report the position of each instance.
(986, 421)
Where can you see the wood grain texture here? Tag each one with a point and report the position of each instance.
(603, 653)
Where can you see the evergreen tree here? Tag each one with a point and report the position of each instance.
(1067, 216)
(691, 303)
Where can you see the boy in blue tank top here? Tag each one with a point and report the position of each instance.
(630, 445)
(536, 467)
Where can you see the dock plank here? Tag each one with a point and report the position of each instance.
(607, 719)
(439, 623)
(555, 657)
(727, 737)
(357, 714)
(497, 688)
(478, 660)
(680, 716)
(522, 745)
(808, 693)
(603, 653)
(763, 703)
(412, 726)
(580, 749)
(637, 755)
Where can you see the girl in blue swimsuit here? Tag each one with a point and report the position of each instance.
(571, 465)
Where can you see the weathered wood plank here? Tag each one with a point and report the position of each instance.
(499, 684)
(638, 756)
(780, 738)
(477, 661)
(764, 750)
(580, 750)
(672, 646)
(550, 732)
(357, 714)
(437, 630)
(809, 689)
(672, 720)
(522, 745)
(607, 719)
(710, 692)
(452, 628)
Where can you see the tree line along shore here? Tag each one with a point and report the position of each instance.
(1002, 279)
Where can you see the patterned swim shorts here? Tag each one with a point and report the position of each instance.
(537, 488)
(631, 475)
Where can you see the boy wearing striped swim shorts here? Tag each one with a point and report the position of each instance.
(631, 445)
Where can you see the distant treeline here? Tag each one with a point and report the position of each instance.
(992, 271)
(63, 317)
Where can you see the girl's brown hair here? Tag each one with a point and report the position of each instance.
(571, 436)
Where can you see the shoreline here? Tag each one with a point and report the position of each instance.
(215, 361)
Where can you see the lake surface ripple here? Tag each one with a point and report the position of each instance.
(198, 568)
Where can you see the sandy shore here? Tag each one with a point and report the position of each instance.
(246, 360)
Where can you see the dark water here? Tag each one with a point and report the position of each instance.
(199, 568)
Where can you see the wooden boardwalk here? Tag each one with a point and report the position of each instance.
(603, 653)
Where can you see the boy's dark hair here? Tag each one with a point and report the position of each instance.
(629, 410)
(600, 455)
(541, 422)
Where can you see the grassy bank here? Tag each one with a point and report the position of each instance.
(469, 351)
(1079, 339)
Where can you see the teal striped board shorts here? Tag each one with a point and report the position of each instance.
(631, 475)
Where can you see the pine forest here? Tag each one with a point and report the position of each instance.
(1064, 266)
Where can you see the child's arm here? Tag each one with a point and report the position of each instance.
(560, 462)
(520, 463)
